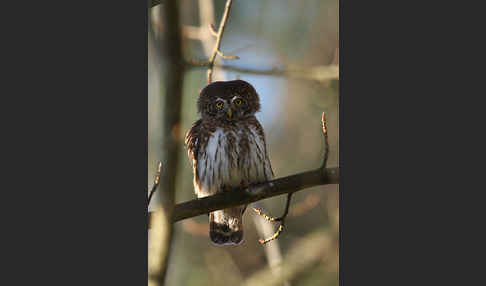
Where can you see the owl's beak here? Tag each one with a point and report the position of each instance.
(230, 113)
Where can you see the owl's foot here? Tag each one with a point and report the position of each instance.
(272, 219)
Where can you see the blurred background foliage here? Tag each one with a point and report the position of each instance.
(264, 34)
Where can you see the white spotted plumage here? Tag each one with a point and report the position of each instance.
(228, 151)
(215, 169)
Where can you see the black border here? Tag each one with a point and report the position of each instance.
(78, 214)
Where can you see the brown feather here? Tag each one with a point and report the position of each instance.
(227, 152)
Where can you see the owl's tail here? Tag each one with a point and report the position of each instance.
(226, 226)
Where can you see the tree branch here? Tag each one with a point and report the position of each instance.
(255, 193)
(219, 36)
(160, 236)
(272, 251)
(317, 73)
(282, 218)
(156, 183)
(207, 32)
(237, 197)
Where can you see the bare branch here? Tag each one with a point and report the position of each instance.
(286, 185)
(220, 53)
(212, 29)
(208, 33)
(289, 196)
(170, 48)
(272, 219)
(326, 142)
(156, 183)
(317, 73)
(290, 184)
(219, 37)
(272, 250)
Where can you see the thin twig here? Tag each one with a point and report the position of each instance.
(208, 33)
(212, 29)
(219, 37)
(272, 251)
(156, 183)
(326, 142)
(281, 219)
(220, 53)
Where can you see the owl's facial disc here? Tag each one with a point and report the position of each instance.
(218, 97)
(234, 109)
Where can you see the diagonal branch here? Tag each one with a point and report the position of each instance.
(219, 36)
(237, 197)
(255, 193)
(290, 184)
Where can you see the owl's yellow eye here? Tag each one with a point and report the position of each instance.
(219, 105)
(238, 102)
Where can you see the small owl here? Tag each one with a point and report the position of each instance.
(228, 150)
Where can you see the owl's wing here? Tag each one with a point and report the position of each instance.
(192, 143)
(268, 166)
(260, 133)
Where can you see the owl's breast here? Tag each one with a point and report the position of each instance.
(231, 157)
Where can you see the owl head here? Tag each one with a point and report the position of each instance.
(228, 100)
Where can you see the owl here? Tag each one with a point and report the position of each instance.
(227, 149)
